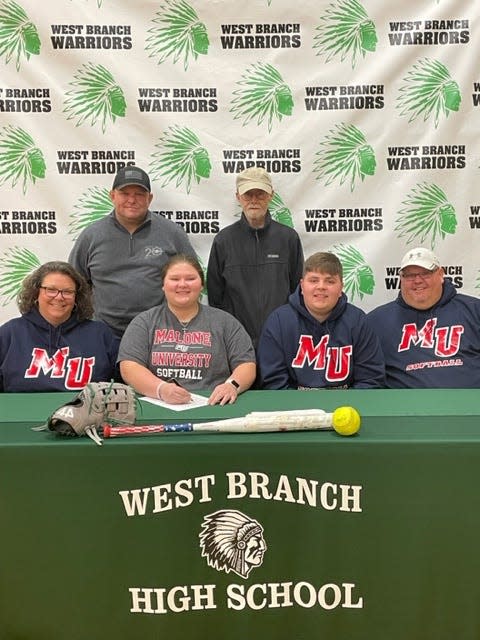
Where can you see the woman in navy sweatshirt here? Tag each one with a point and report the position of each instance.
(54, 345)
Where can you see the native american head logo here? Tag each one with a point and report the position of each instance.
(20, 158)
(345, 30)
(263, 95)
(181, 157)
(427, 214)
(279, 211)
(344, 155)
(93, 205)
(18, 35)
(16, 264)
(177, 32)
(95, 96)
(428, 90)
(231, 541)
(358, 278)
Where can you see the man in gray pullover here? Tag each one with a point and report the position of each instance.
(122, 254)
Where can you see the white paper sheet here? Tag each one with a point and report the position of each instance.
(196, 401)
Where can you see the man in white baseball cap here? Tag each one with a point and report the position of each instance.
(430, 335)
(421, 278)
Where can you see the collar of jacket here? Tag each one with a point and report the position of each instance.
(246, 226)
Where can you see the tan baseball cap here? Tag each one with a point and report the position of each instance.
(254, 178)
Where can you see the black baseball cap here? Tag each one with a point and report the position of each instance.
(132, 175)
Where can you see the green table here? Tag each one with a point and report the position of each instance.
(372, 536)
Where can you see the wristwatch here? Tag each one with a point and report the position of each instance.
(234, 383)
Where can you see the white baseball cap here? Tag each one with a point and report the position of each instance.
(420, 257)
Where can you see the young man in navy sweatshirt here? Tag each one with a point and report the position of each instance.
(318, 340)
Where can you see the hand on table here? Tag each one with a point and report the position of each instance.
(224, 393)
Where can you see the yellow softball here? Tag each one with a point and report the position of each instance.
(346, 421)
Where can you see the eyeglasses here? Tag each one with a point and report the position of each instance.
(253, 194)
(52, 292)
(410, 277)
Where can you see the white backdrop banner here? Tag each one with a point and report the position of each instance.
(365, 112)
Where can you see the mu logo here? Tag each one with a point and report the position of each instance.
(445, 340)
(334, 360)
(77, 372)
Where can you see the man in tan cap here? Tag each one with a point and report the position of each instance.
(430, 335)
(256, 262)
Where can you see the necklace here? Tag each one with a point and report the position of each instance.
(184, 325)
